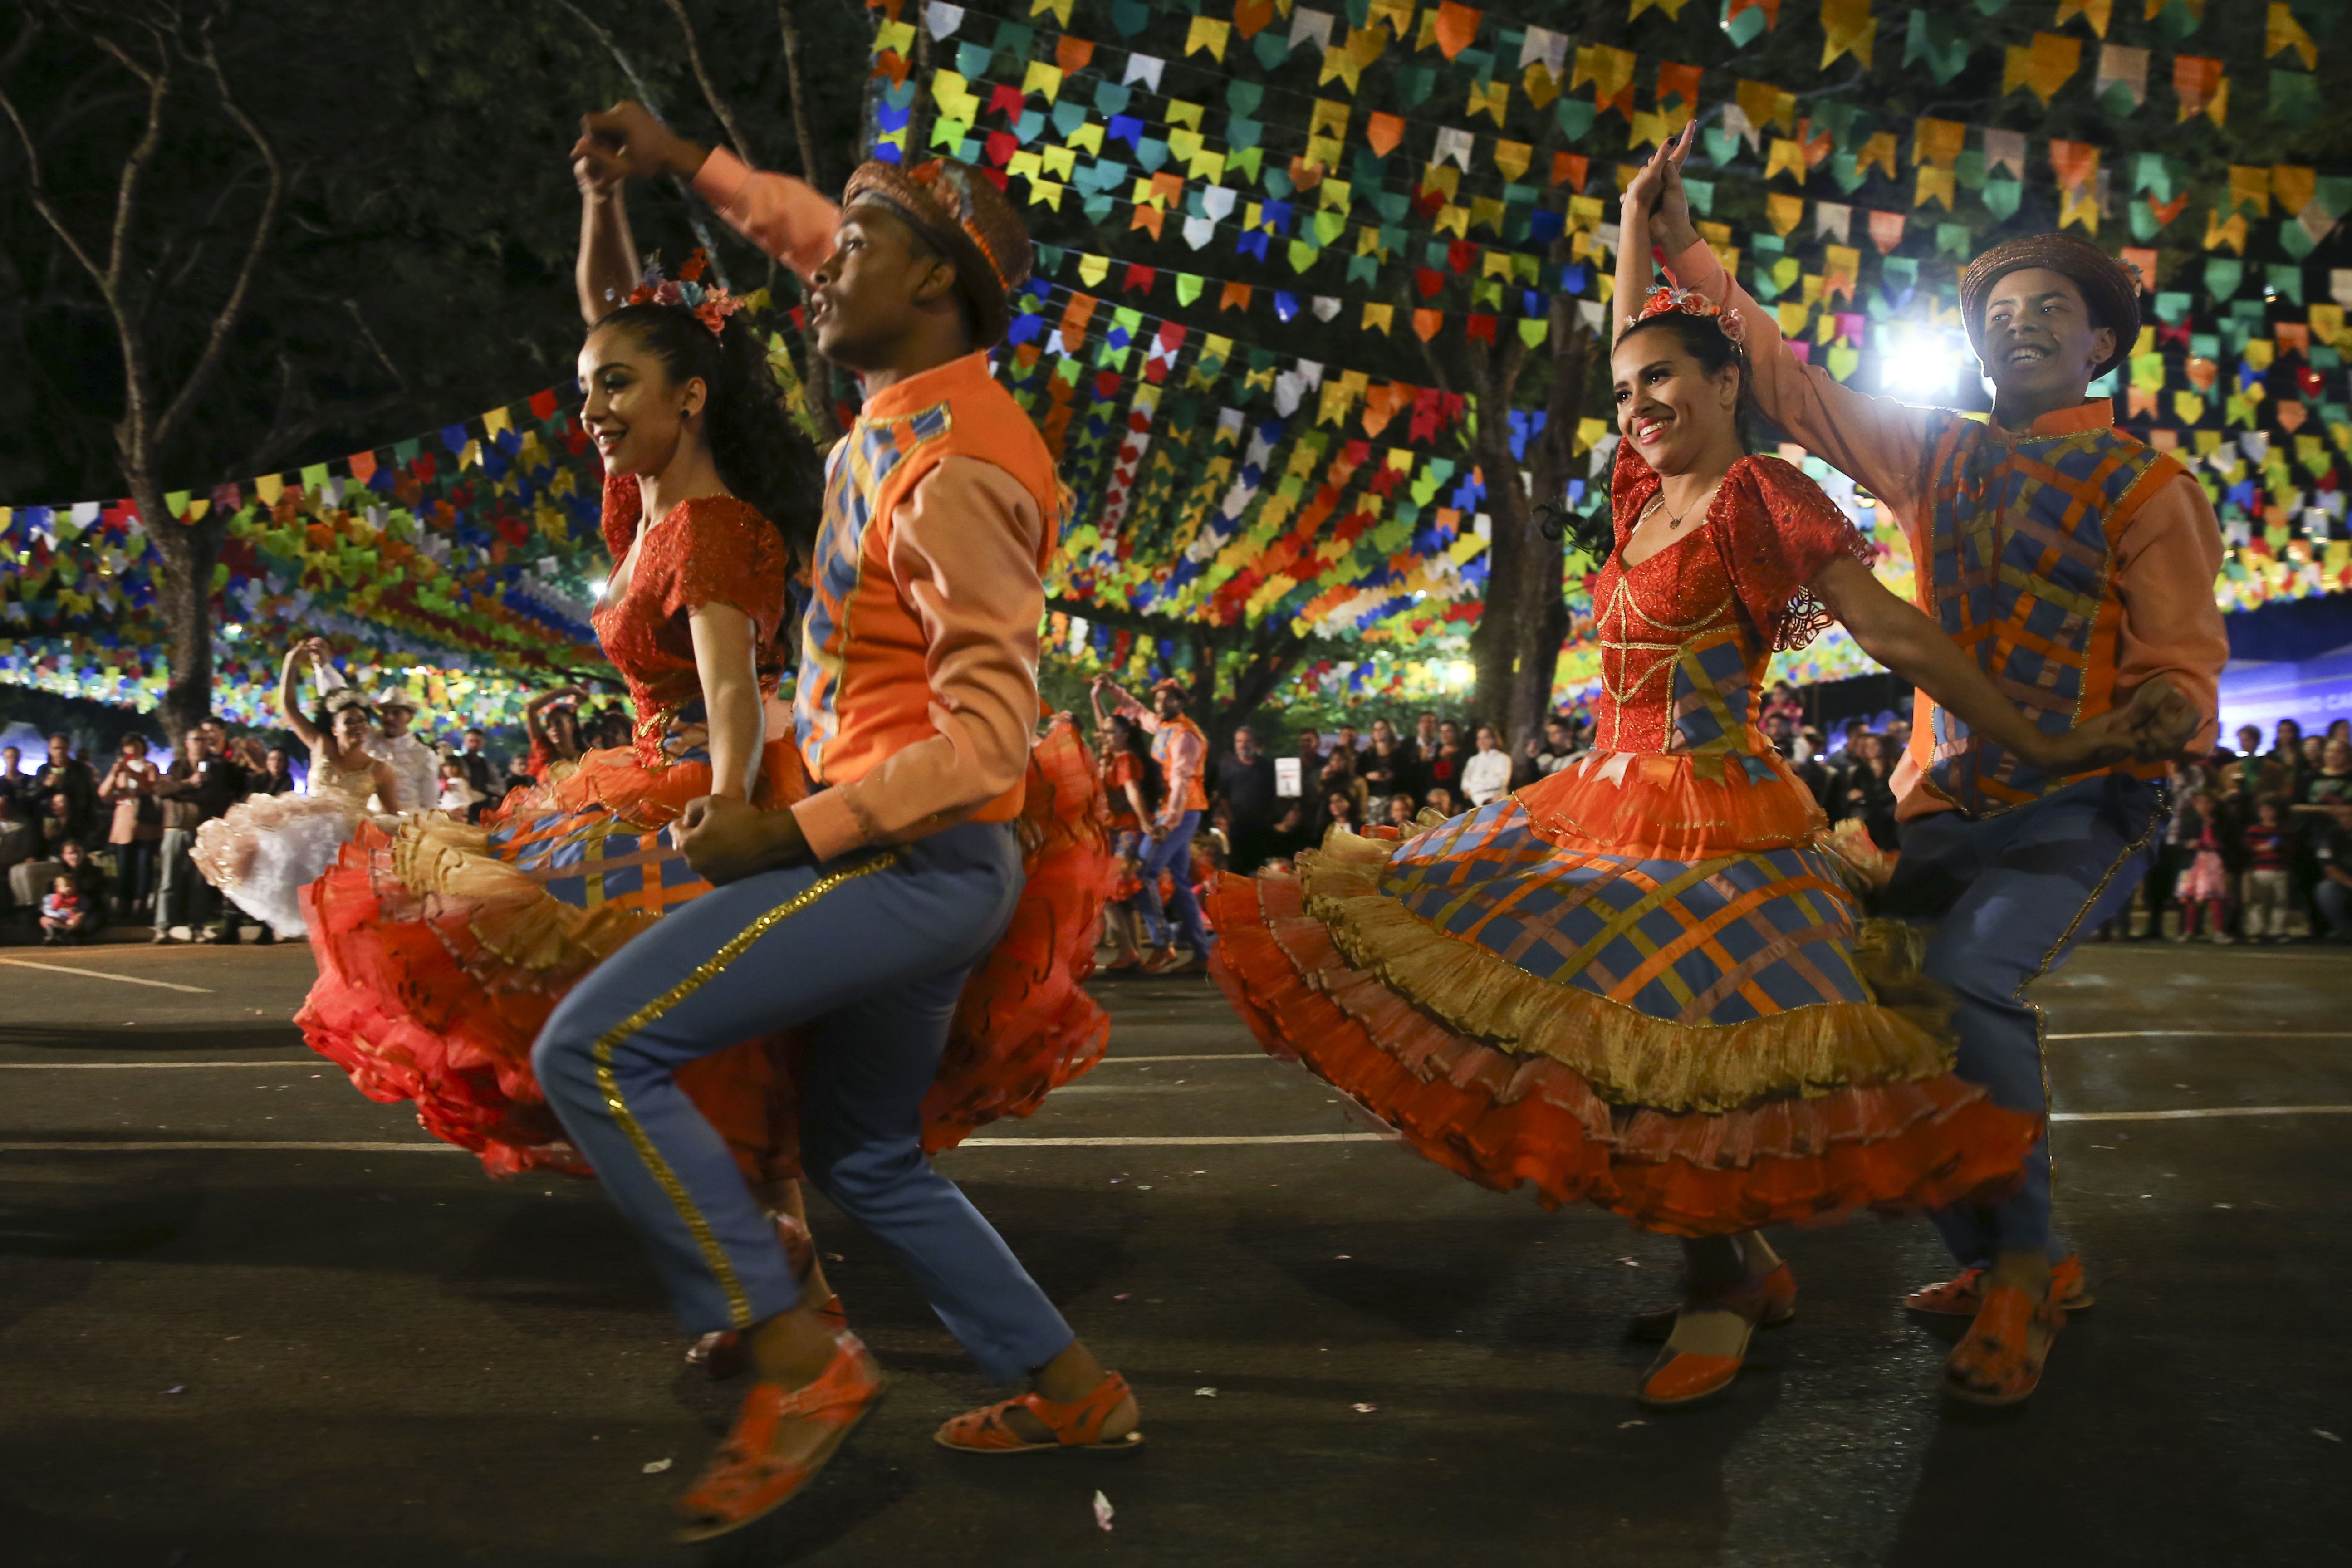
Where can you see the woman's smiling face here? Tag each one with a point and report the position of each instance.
(634, 412)
(1667, 405)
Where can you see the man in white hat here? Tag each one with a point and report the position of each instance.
(415, 766)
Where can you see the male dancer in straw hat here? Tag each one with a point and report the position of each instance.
(857, 914)
(2076, 565)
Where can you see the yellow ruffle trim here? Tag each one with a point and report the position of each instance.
(514, 919)
(1628, 1057)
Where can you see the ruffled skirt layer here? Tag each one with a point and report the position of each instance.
(443, 949)
(1704, 1045)
(265, 850)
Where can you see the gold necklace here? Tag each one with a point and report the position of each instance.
(1672, 522)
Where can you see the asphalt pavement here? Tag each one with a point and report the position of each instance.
(249, 1318)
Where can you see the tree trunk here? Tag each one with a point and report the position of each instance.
(183, 596)
(1516, 647)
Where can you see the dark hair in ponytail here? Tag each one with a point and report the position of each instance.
(1699, 337)
(761, 456)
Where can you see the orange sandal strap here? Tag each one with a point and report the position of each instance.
(1076, 1425)
(744, 1479)
(1995, 1362)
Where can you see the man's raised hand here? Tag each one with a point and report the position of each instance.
(626, 143)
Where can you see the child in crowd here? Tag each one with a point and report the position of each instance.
(2206, 887)
(458, 794)
(2268, 888)
(66, 917)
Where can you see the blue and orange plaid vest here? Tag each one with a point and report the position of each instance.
(865, 690)
(2019, 570)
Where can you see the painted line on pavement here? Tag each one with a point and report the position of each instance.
(2201, 1112)
(196, 1145)
(102, 974)
(1204, 1056)
(182, 1146)
(2210, 1034)
(119, 1067)
(96, 1146)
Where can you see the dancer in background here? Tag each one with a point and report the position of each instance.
(1182, 754)
(1642, 981)
(416, 767)
(2075, 565)
(551, 721)
(856, 915)
(1131, 778)
(263, 852)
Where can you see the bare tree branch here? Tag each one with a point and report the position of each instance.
(158, 83)
(791, 35)
(710, 94)
(652, 107)
(199, 378)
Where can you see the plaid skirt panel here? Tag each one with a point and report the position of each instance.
(1712, 941)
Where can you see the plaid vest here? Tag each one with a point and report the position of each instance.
(2018, 568)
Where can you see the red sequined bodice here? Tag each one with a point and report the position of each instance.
(1687, 633)
(713, 549)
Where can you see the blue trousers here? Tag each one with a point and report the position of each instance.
(868, 956)
(2007, 896)
(1174, 852)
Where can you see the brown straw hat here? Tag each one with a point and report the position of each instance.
(2109, 288)
(959, 210)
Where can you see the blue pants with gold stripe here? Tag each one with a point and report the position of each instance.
(1171, 852)
(2008, 895)
(867, 955)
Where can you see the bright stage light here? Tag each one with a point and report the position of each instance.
(1923, 362)
(596, 590)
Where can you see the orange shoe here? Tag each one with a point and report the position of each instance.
(1076, 1426)
(746, 1479)
(1657, 1324)
(1678, 1377)
(1124, 963)
(1159, 962)
(1997, 1362)
(1963, 1295)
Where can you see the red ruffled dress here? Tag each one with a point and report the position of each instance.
(442, 947)
(1642, 982)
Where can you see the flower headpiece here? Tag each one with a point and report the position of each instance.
(1666, 300)
(710, 303)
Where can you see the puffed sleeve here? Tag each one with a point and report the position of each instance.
(1633, 485)
(625, 503)
(1777, 530)
(721, 551)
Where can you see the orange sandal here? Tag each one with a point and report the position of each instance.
(1076, 1426)
(1679, 1377)
(1995, 1363)
(1657, 1324)
(1963, 1295)
(745, 1479)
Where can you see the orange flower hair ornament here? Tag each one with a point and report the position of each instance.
(710, 303)
(1664, 300)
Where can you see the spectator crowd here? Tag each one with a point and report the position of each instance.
(2259, 847)
(87, 841)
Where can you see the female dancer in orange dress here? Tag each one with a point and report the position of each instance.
(1644, 982)
(444, 947)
